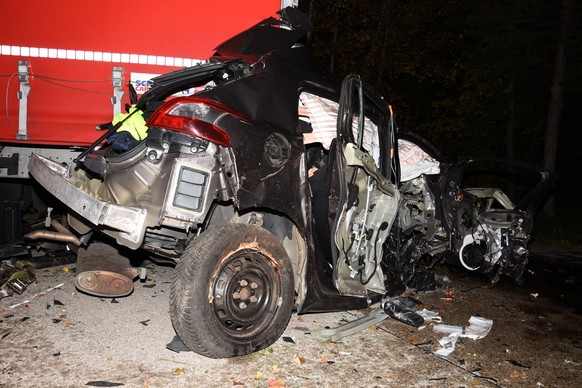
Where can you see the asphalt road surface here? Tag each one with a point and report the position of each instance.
(66, 338)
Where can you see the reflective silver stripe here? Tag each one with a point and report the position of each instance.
(96, 56)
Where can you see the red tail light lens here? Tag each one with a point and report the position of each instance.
(193, 116)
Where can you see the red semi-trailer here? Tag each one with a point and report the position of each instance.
(65, 68)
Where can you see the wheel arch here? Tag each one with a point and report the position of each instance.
(293, 240)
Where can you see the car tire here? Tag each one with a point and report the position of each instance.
(232, 291)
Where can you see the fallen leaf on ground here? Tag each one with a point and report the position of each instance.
(178, 371)
(517, 374)
(297, 359)
(276, 383)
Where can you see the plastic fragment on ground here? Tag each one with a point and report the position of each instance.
(447, 345)
(397, 309)
(176, 345)
(478, 328)
(289, 340)
(103, 383)
(431, 316)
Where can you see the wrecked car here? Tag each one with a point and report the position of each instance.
(274, 189)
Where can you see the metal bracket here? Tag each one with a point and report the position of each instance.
(23, 97)
(117, 80)
(324, 335)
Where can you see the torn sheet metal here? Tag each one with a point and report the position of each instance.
(15, 279)
(325, 335)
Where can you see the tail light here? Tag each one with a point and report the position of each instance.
(193, 116)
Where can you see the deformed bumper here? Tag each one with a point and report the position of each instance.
(54, 178)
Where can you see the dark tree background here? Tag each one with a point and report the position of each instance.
(476, 77)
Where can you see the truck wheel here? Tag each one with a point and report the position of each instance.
(232, 291)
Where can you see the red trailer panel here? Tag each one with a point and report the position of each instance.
(65, 64)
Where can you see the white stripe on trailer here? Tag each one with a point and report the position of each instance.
(97, 56)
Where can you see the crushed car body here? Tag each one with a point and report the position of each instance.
(274, 189)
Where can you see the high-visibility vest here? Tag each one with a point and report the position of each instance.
(135, 124)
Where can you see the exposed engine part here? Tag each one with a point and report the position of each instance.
(62, 234)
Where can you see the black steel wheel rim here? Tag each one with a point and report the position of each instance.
(245, 293)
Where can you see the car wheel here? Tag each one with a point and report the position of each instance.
(232, 291)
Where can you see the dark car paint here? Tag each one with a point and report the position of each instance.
(259, 74)
(267, 93)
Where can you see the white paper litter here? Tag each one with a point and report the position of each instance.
(478, 328)
(447, 345)
(429, 316)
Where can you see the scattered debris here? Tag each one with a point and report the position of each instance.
(447, 345)
(516, 363)
(424, 281)
(399, 309)
(19, 304)
(150, 284)
(101, 383)
(48, 290)
(479, 328)
(15, 278)
(289, 340)
(430, 316)
(350, 328)
(502, 306)
(176, 345)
